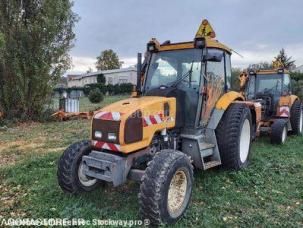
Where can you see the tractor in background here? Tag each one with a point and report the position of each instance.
(281, 110)
(183, 115)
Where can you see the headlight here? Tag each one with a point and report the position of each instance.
(98, 134)
(112, 136)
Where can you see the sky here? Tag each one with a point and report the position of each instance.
(254, 28)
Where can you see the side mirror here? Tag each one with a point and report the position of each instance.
(213, 57)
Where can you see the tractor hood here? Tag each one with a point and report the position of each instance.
(130, 105)
(130, 124)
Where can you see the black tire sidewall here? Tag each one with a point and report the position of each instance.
(83, 150)
(178, 165)
(295, 116)
(69, 165)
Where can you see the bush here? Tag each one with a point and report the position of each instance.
(117, 89)
(87, 88)
(126, 88)
(110, 89)
(95, 96)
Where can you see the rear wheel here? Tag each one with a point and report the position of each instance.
(166, 187)
(279, 131)
(234, 134)
(296, 118)
(71, 177)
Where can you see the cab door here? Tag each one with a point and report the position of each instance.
(216, 76)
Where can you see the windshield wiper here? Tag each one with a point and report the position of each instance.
(185, 75)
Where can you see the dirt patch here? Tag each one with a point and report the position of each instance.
(10, 152)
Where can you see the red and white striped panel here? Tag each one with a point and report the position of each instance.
(116, 116)
(283, 111)
(152, 119)
(106, 146)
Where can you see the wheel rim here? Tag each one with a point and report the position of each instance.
(284, 134)
(301, 121)
(177, 192)
(85, 180)
(245, 140)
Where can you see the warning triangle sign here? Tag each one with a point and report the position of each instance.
(205, 30)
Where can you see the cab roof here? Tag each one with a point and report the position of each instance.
(205, 31)
(271, 71)
(187, 45)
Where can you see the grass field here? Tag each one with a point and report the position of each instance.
(268, 193)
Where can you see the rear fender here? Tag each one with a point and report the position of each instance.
(221, 106)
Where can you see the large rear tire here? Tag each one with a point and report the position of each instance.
(296, 118)
(234, 135)
(166, 187)
(70, 169)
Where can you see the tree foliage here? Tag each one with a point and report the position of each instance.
(1, 40)
(101, 79)
(235, 73)
(260, 66)
(108, 60)
(37, 36)
(288, 63)
(297, 76)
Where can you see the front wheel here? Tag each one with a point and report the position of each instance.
(71, 176)
(166, 187)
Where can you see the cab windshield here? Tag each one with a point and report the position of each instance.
(269, 83)
(181, 68)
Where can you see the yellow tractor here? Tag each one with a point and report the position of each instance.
(281, 111)
(182, 115)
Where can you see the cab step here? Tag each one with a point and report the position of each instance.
(211, 164)
(206, 149)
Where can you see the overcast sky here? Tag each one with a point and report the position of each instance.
(254, 28)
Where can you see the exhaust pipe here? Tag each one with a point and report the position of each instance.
(139, 68)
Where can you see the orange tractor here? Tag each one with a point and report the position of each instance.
(281, 111)
(183, 115)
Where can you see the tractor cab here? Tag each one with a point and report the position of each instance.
(195, 73)
(268, 86)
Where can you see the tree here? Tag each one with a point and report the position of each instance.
(297, 76)
(288, 63)
(260, 66)
(37, 35)
(1, 40)
(101, 79)
(235, 72)
(108, 60)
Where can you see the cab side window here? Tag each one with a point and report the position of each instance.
(215, 74)
(250, 91)
(228, 71)
(286, 84)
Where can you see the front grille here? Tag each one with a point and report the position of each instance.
(106, 126)
(133, 130)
